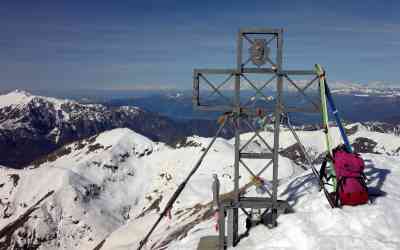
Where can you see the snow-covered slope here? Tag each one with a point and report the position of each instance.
(314, 225)
(313, 222)
(15, 98)
(98, 183)
(109, 190)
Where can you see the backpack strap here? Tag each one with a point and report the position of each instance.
(322, 171)
(361, 179)
(339, 185)
(365, 178)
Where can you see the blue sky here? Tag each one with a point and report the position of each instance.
(134, 44)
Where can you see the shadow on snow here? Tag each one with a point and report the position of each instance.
(304, 185)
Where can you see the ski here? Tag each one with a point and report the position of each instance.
(325, 121)
(327, 194)
(324, 108)
(335, 112)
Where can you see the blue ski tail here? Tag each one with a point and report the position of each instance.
(337, 118)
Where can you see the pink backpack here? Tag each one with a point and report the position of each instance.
(351, 188)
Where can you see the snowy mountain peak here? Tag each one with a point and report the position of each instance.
(37, 124)
(20, 98)
(106, 149)
(121, 140)
(21, 92)
(15, 98)
(95, 182)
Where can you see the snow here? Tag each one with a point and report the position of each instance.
(386, 142)
(20, 98)
(124, 139)
(313, 225)
(132, 171)
(97, 185)
(16, 104)
(15, 98)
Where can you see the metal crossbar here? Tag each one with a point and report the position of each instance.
(270, 61)
(265, 168)
(215, 89)
(251, 173)
(270, 40)
(308, 85)
(260, 89)
(248, 39)
(246, 62)
(258, 135)
(220, 85)
(302, 92)
(247, 143)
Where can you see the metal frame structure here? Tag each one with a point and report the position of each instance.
(240, 113)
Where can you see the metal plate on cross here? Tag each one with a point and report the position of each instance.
(259, 52)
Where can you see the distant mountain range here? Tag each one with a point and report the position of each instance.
(377, 89)
(339, 87)
(352, 102)
(32, 126)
